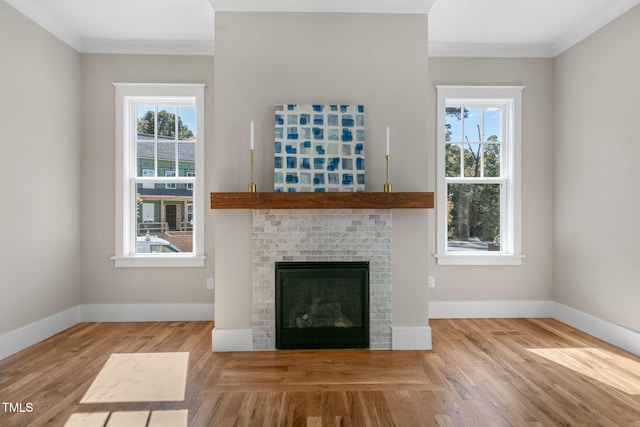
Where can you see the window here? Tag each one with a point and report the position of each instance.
(478, 175)
(159, 175)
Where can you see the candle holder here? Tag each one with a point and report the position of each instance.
(387, 184)
(251, 188)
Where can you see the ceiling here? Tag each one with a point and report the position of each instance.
(529, 28)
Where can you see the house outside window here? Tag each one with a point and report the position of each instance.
(159, 176)
(478, 175)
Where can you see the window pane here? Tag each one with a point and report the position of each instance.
(472, 160)
(187, 122)
(164, 219)
(473, 217)
(166, 122)
(145, 115)
(452, 160)
(492, 124)
(145, 159)
(170, 185)
(453, 122)
(166, 157)
(186, 158)
(472, 118)
(491, 160)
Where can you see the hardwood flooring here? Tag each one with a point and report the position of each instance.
(482, 372)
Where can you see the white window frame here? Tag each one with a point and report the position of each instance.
(510, 216)
(125, 251)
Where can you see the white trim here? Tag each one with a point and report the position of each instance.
(26, 336)
(476, 259)
(510, 98)
(489, 309)
(159, 261)
(147, 312)
(330, 6)
(590, 26)
(491, 50)
(411, 338)
(124, 256)
(242, 339)
(149, 47)
(42, 16)
(612, 333)
(231, 339)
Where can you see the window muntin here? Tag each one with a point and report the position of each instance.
(160, 155)
(474, 179)
(478, 175)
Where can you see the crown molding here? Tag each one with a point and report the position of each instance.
(490, 50)
(148, 47)
(45, 19)
(60, 29)
(339, 6)
(588, 27)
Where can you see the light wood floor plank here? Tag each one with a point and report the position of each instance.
(482, 372)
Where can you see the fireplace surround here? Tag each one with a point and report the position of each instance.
(324, 235)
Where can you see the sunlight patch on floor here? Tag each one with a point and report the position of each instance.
(140, 377)
(611, 369)
(177, 418)
(87, 419)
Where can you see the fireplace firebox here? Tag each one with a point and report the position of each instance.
(322, 305)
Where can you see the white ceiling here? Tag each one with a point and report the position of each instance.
(536, 28)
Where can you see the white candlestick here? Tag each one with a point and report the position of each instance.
(252, 134)
(387, 140)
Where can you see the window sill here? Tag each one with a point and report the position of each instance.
(159, 261)
(479, 259)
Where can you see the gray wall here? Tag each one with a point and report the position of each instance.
(263, 59)
(597, 152)
(579, 197)
(102, 283)
(534, 279)
(40, 146)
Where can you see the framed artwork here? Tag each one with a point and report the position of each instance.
(319, 148)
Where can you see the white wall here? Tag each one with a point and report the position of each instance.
(102, 283)
(597, 158)
(533, 280)
(264, 59)
(40, 157)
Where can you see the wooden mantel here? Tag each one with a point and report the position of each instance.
(360, 200)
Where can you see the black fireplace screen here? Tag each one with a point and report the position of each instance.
(322, 305)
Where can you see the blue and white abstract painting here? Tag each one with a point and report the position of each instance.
(319, 148)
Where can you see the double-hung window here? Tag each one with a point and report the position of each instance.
(159, 175)
(478, 175)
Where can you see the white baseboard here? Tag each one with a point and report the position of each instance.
(147, 312)
(617, 335)
(610, 332)
(411, 338)
(231, 339)
(489, 309)
(26, 336)
(21, 338)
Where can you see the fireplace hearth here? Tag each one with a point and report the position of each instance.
(322, 305)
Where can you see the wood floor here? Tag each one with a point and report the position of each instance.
(489, 372)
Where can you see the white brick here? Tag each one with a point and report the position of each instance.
(321, 235)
